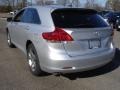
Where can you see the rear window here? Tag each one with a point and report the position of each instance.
(66, 18)
(117, 15)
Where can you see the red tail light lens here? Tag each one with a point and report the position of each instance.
(57, 35)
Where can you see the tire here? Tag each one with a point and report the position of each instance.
(10, 44)
(33, 61)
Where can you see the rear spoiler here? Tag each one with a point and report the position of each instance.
(81, 10)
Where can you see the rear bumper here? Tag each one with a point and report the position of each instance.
(78, 64)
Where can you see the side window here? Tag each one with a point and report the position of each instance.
(18, 17)
(27, 16)
(36, 18)
(31, 16)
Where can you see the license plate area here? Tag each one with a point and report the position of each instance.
(94, 44)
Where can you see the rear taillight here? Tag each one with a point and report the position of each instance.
(57, 35)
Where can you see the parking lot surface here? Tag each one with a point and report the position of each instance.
(15, 75)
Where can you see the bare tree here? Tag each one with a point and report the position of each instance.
(40, 2)
(75, 3)
(10, 3)
(90, 3)
(98, 7)
(24, 3)
(72, 3)
(62, 2)
(6, 2)
(113, 4)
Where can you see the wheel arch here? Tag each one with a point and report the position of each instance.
(28, 43)
(7, 30)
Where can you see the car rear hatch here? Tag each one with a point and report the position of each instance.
(90, 33)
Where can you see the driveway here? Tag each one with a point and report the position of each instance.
(15, 75)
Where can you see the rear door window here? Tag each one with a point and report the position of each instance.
(31, 16)
(67, 18)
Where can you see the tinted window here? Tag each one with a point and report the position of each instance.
(117, 15)
(103, 13)
(77, 19)
(112, 14)
(36, 18)
(18, 16)
(112, 17)
(31, 16)
(109, 14)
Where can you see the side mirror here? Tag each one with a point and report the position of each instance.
(9, 19)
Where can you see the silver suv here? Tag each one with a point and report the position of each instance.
(61, 40)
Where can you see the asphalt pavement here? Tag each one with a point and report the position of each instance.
(15, 75)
